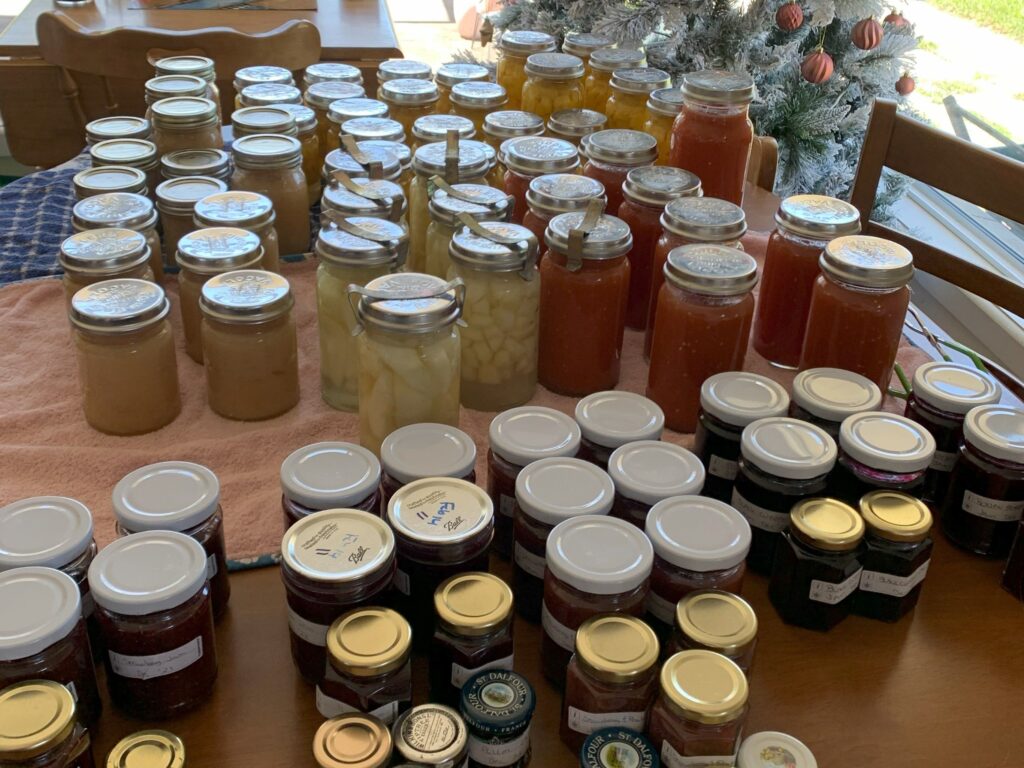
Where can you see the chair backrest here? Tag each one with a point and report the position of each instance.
(955, 166)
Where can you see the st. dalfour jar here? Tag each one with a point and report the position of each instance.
(554, 81)
(245, 210)
(554, 194)
(451, 74)
(41, 728)
(611, 419)
(498, 706)
(530, 157)
(825, 397)
(103, 254)
(646, 472)
(272, 165)
(713, 620)
(176, 200)
(110, 178)
(514, 49)
(480, 202)
(630, 89)
(329, 476)
(418, 451)
(134, 153)
(185, 123)
(122, 210)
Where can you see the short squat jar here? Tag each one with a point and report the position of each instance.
(409, 99)
(431, 735)
(514, 49)
(553, 194)
(477, 99)
(352, 740)
(498, 706)
(602, 64)
(259, 74)
(331, 475)
(175, 201)
(103, 254)
(418, 451)
(530, 157)
(122, 210)
(41, 727)
(132, 152)
(137, 748)
(825, 397)
(111, 178)
(575, 125)
(451, 74)
(718, 621)
(663, 106)
(630, 89)
(608, 420)
(250, 211)
(478, 201)
(612, 747)
(554, 81)
(611, 154)
(186, 122)
(647, 472)
(117, 127)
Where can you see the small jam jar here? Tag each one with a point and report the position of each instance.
(451, 74)
(178, 496)
(117, 127)
(825, 397)
(647, 472)
(985, 500)
(250, 211)
(630, 89)
(717, 621)
(699, 715)
(408, 99)
(259, 74)
(530, 157)
(40, 728)
(176, 200)
(612, 154)
(897, 551)
(508, 124)
(942, 395)
(211, 163)
(329, 476)
(43, 635)
(134, 153)
(431, 128)
(699, 544)
(880, 450)
(111, 178)
(615, 747)
(153, 607)
(478, 201)
(352, 741)
(498, 706)
(514, 49)
(611, 419)
(573, 125)
(663, 106)
(122, 210)
(103, 254)
(473, 634)
(431, 735)
(554, 194)
(137, 749)
(817, 564)
(595, 564)
(185, 122)
(782, 461)
(612, 677)
(369, 665)
(602, 63)
(477, 99)
(418, 451)
(769, 743)
(357, 571)
(554, 81)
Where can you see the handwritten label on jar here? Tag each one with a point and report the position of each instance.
(759, 517)
(831, 593)
(506, 505)
(670, 758)
(723, 468)
(330, 707)
(560, 634)
(529, 562)
(588, 722)
(501, 753)
(662, 609)
(895, 586)
(157, 664)
(442, 513)
(401, 582)
(943, 461)
(461, 674)
(999, 510)
(307, 630)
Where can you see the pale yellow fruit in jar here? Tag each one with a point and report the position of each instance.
(660, 127)
(543, 97)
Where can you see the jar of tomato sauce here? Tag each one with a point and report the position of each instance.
(612, 419)
(514, 48)
(575, 124)
(630, 89)
(612, 154)
(647, 472)
(528, 158)
(602, 63)
(328, 476)
(663, 106)
(825, 397)
(418, 451)
(553, 194)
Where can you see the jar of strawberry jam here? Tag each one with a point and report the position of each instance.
(612, 154)
(824, 397)
(153, 607)
(332, 562)
(40, 729)
(553, 194)
(329, 476)
(352, 741)
(646, 472)
(417, 451)
(611, 419)
(717, 621)
(530, 157)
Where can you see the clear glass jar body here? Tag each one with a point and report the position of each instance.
(597, 89)
(517, 184)
(199, 137)
(312, 163)
(948, 430)
(589, 703)
(271, 247)
(645, 223)
(407, 114)
(294, 512)
(501, 487)
(536, 222)
(436, 260)
(455, 658)
(680, 641)
(190, 284)
(74, 282)
(73, 752)
(713, 141)
(78, 569)
(511, 75)
(175, 225)
(156, 260)
(660, 127)
(383, 696)
(626, 110)
(612, 176)
(286, 188)
(717, 444)
(476, 114)
(810, 587)
(543, 96)
(529, 542)
(671, 583)
(682, 741)
(851, 479)
(894, 573)
(420, 190)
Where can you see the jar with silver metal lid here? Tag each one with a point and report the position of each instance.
(510, 124)
(126, 365)
(476, 99)
(573, 124)
(373, 198)
(125, 211)
(312, 153)
(409, 356)
(328, 71)
(528, 158)
(409, 98)
(109, 178)
(272, 166)
(352, 250)
(259, 74)
(249, 120)
(514, 48)
(201, 255)
(478, 201)
(371, 161)
(172, 86)
(320, 96)
(120, 127)
(495, 171)
(134, 153)
(612, 154)
(185, 122)
(245, 210)
(557, 193)
(103, 254)
(431, 735)
(431, 128)
(602, 63)
(250, 349)
(198, 66)
(451, 74)
(340, 112)
(402, 153)
(554, 81)
(176, 200)
(212, 163)
(583, 44)
(663, 106)
(630, 89)
(399, 69)
(372, 129)
(268, 94)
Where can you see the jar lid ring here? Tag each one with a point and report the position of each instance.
(357, 294)
(339, 178)
(400, 245)
(527, 247)
(578, 234)
(374, 168)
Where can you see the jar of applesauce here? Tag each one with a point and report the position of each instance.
(554, 81)
(408, 353)
(185, 122)
(176, 200)
(583, 44)
(170, 87)
(320, 96)
(126, 365)
(201, 255)
(113, 178)
(372, 198)
(120, 127)
(351, 251)
(611, 155)
(121, 210)
(372, 128)
(478, 201)
(510, 124)
(554, 194)
(245, 210)
(408, 98)
(514, 48)
(361, 160)
(197, 66)
(451, 74)
(340, 112)
(431, 128)
(331, 71)
(249, 120)
(574, 124)
(312, 155)
(41, 729)
(630, 89)
(249, 345)
(211, 163)
(259, 74)
(663, 105)
(134, 153)
(272, 166)
(266, 94)
(602, 63)
(103, 254)
(477, 99)
(528, 158)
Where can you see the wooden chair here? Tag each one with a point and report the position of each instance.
(763, 163)
(954, 166)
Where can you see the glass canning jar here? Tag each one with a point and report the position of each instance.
(713, 620)
(211, 163)
(272, 166)
(508, 124)
(357, 571)
(41, 728)
(172, 86)
(611, 154)
(340, 112)
(609, 420)
(153, 607)
(701, 328)
(117, 127)
(363, 197)
(138, 748)
(451, 74)
(601, 64)
(185, 122)
(331, 71)
(122, 210)
(259, 74)
(985, 499)
(646, 472)
(329, 476)
(613, 747)
(480, 202)
(312, 154)
(268, 94)
(583, 288)
(473, 632)
(43, 635)
(134, 153)
(431, 735)
(418, 451)
(175, 201)
(573, 125)
(497, 706)
(250, 211)
(371, 129)
(352, 740)
(126, 365)
(595, 565)
(431, 128)
(408, 99)
(629, 91)
(103, 254)
(612, 678)
(826, 396)
(554, 81)
(400, 152)
(111, 178)
(514, 49)
(249, 345)
(369, 160)
(320, 96)
(178, 496)
(369, 665)
(549, 491)
(477, 99)
(663, 106)
(728, 403)
(397, 69)
(552, 194)
(530, 157)
(197, 66)
(646, 191)
(583, 44)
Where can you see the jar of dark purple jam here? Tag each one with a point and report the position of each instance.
(417, 451)
(825, 397)
(329, 476)
(649, 471)
(611, 419)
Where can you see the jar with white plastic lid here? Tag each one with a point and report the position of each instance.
(479, 201)
(451, 74)
(611, 419)
(185, 122)
(574, 124)
(250, 211)
(476, 99)
(370, 160)
(583, 44)
(42, 728)
(153, 607)
(554, 194)
(554, 81)
(663, 106)
(757, 745)
(312, 153)
(367, 198)
(119, 127)
(713, 620)
(172, 86)
(320, 96)
(431, 735)
(103, 254)
(176, 200)
(510, 124)
(353, 740)
(418, 451)
(630, 89)
(111, 178)
(514, 49)
(249, 120)
(431, 128)
(595, 564)
(259, 74)
(646, 472)
(197, 66)
(212, 163)
(611, 154)
(600, 66)
(266, 94)
(408, 99)
(136, 749)
(272, 165)
(330, 71)
(826, 396)
(122, 210)
(329, 476)
(528, 158)
(372, 129)
(134, 153)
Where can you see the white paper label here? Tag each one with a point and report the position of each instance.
(992, 509)
(330, 707)
(672, 759)
(211, 567)
(943, 461)
(831, 593)
(157, 664)
(70, 685)
(88, 605)
(723, 468)
(894, 586)
(588, 722)
(461, 674)
(529, 562)
(506, 505)
(307, 630)
(662, 609)
(562, 636)
(401, 582)
(499, 754)
(759, 517)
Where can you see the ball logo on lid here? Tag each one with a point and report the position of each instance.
(336, 544)
(436, 509)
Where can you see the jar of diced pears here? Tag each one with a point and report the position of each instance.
(451, 74)
(477, 99)
(367, 162)
(408, 98)
(402, 153)
(480, 202)
(246, 210)
(663, 106)
(630, 89)
(514, 48)
(526, 159)
(597, 86)
(373, 198)
(431, 128)
(573, 124)
(554, 81)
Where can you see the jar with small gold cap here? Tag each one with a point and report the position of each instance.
(583, 44)
(431, 128)
(121, 210)
(554, 81)
(312, 154)
(554, 194)
(817, 566)
(111, 178)
(528, 158)
(259, 74)
(272, 165)
(573, 124)
(451, 74)
(268, 94)
(352, 741)
(612, 677)
(408, 98)
(197, 66)
(431, 735)
(331, 71)
(699, 715)
(245, 210)
(343, 110)
(630, 89)
(476, 99)
(176, 200)
(478, 201)
(602, 63)
(38, 728)
(372, 128)
(118, 127)
(663, 105)
(718, 621)
(212, 163)
(185, 122)
(249, 120)
(134, 153)
(474, 632)
(171, 86)
(148, 749)
(320, 96)
(514, 48)
(103, 254)
(510, 124)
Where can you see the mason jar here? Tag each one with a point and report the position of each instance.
(212, 163)
(451, 74)
(514, 48)
(368, 161)
(312, 154)
(574, 124)
(583, 44)
(123, 211)
(198, 66)
(276, 119)
(245, 210)
(344, 110)
(331, 71)
(134, 153)
(663, 105)
(272, 166)
(176, 200)
(408, 98)
(431, 128)
(320, 96)
(630, 89)
(399, 69)
(118, 127)
(371, 129)
(112, 178)
(480, 202)
(477, 99)
(612, 154)
(603, 62)
(185, 123)
(554, 81)
(553, 194)
(402, 153)
(373, 198)
(171, 86)
(528, 158)
(507, 124)
(267, 94)
(103, 254)
(247, 76)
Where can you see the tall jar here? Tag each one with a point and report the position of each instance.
(609, 420)
(514, 48)
(171, 86)
(247, 76)
(701, 328)
(185, 122)
(630, 89)
(312, 151)
(41, 728)
(480, 202)
(102, 254)
(646, 472)
(574, 125)
(602, 63)
(418, 451)
(249, 345)
(398, 69)
(117, 127)
(431, 128)
(250, 211)
(176, 200)
(408, 353)
(408, 99)
(320, 96)
(134, 153)
(112, 178)
(477, 99)
(368, 198)
(363, 159)
(451, 74)
(825, 397)
(583, 44)
(267, 94)
(340, 112)
(611, 155)
(126, 365)
(663, 106)
(583, 304)
(510, 124)
(272, 166)
(331, 475)
(554, 81)
(552, 194)
(122, 210)
(528, 158)
(197, 66)
(714, 620)
(211, 163)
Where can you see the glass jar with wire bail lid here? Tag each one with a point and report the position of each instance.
(312, 155)
(611, 155)
(432, 128)
(41, 727)
(477, 99)
(451, 74)
(103, 254)
(345, 197)
(175, 201)
(172, 86)
(126, 365)
(554, 81)
(331, 71)
(825, 397)
(329, 476)
(418, 451)
(630, 90)
(663, 106)
(352, 741)
(447, 204)
(510, 124)
(713, 620)
(138, 748)
(211, 163)
(272, 166)
(268, 94)
(371, 129)
(363, 159)
(583, 44)
(646, 472)
(259, 74)
(514, 49)
(320, 96)
(343, 110)
(352, 251)
(583, 292)
(602, 63)
(498, 707)
(250, 211)
(408, 99)
(185, 122)
(557, 193)
(201, 255)
(528, 158)
(573, 125)
(134, 153)
(430, 735)
(197, 66)
(611, 419)
(122, 210)
(119, 127)
(111, 178)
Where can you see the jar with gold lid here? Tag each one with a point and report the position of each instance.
(583, 44)
(403, 69)
(176, 200)
(110, 178)
(352, 741)
(331, 71)
(212, 163)
(373, 198)
(554, 194)
(476, 99)
(103, 254)
(268, 94)
(185, 122)
(573, 124)
(344, 110)
(663, 105)
(612, 677)
(259, 74)
(528, 158)
(372, 128)
(602, 63)
(201, 255)
(198, 66)
(718, 621)
(320, 96)
(145, 749)
(554, 81)
(507, 124)
(245, 210)
(126, 364)
(134, 153)
(171, 86)
(514, 48)
(611, 154)
(118, 127)
(409, 98)
(630, 90)
(431, 735)
(40, 728)
(121, 210)
(451, 74)
(272, 166)
(312, 155)
(498, 707)
(431, 128)
(249, 120)
(478, 201)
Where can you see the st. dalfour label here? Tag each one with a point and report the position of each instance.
(943, 461)
(670, 758)
(588, 722)
(894, 586)
(506, 505)
(562, 636)
(759, 517)
(660, 608)
(832, 593)
(499, 754)
(330, 707)
(993, 509)
(157, 664)
(461, 674)
(307, 630)
(723, 468)
(529, 562)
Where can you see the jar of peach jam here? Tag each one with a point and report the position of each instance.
(477, 99)
(329, 476)
(112, 178)
(630, 89)
(103, 254)
(176, 200)
(185, 122)
(583, 44)
(266, 94)
(122, 210)
(431, 128)
(398, 69)
(514, 48)
(602, 63)
(408, 99)
(250, 211)
(647, 472)
(451, 74)
(663, 106)
(41, 729)
(554, 81)
(574, 125)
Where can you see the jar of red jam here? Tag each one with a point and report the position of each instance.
(612, 154)
(713, 620)
(612, 678)
(369, 666)
(40, 728)
(880, 450)
(615, 747)
(699, 544)
(595, 564)
(699, 715)
(43, 635)
(611, 419)
(137, 749)
(649, 471)
(518, 437)
(332, 562)
(431, 735)
(178, 496)
(554, 194)
(804, 226)
(329, 476)
(417, 451)
(530, 157)
(942, 395)
(817, 564)
(985, 500)
(549, 491)
(702, 326)
(474, 632)
(825, 397)
(352, 741)
(498, 706)
(153, 606)
(728, 403)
